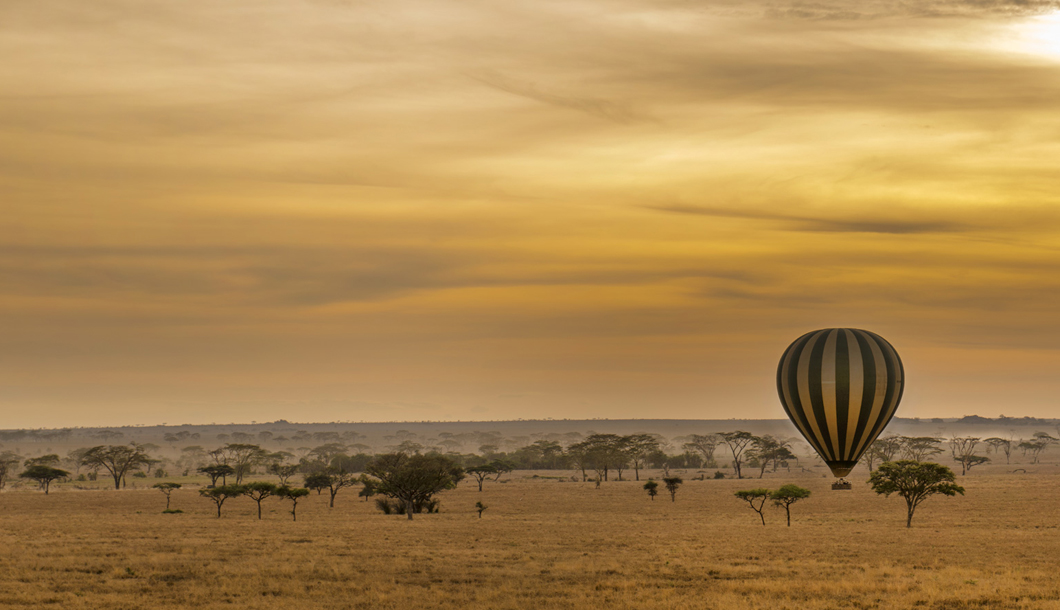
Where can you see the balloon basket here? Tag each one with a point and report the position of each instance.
(841, 484)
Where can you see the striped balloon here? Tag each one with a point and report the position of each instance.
(840, 387)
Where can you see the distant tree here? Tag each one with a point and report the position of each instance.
(919, 448)
(221, 493)
(480, 507)
(368, 487)
(318, 482)
(43, 475)
(118, 460)
(258, 491)
(768, 450)
(639, 448)
(414, 480)
(502, 467)
(1038, 443)
(167, 489)
(672, 483)
(652, 488)
(788, 495)
(481, 473)
(8, 463)
(45, 460)
(283, 471)
(218, 471)
(914, 481)
(242, 457)
(706, 444)
(737, 442)
(963, 451)
(1001, 445)
(294, 494)
(756, 499)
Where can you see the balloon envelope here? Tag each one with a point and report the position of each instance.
(840, 387)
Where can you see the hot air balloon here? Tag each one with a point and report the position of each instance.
(840, 387)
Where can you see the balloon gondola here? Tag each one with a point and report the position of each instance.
(840, 387)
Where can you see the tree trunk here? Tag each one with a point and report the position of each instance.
(259, 510)
(909, 515)
(167, 501)
(787, 509)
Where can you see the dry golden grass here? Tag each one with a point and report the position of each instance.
(542, 543)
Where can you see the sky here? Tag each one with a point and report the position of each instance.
(399, 211)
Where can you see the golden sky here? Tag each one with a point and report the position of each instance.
(344, 210)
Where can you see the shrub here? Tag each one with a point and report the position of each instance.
(719, 474)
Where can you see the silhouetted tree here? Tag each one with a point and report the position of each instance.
(218, 471)
(1003, 445)
(8, 463)
(481, 473)
(963, 451)
(317, 482)
(414, 479)
(221, 493)
(753, 496)
(118, 460)
(258, 491)
(242, 457)
(652, 488)
(639, 447)
(480, 507)
(672, 483)
(788, 495)
(43, 475)
(738, 442)
(706, 444)
(283, 471)
(167, 489)
(368, 488)
(294, 494)
(919, 448)
(914, 481)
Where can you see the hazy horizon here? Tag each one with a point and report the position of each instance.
(465, 210)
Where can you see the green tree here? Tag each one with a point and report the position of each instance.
(914, 481)
(756, 499)
(331, 480)
(652, 488)
(221, 493)
(415, 479)
(258, 491)
(480, 507)
(167, 489)
(242, 457)
(283, 471)
(294, 494)
(43, 475)
(318, 481)
(788, 495)
(639, 447)
(118, 460)
(672, 483)
(481, 473)
(368, 490)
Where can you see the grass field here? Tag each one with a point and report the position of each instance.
(542, 543)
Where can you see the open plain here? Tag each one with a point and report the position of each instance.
(545, 541)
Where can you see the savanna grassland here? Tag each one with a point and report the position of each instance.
(542, 543)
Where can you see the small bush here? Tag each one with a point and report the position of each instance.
(172, 511)
(160, 474)
(139, 474)
(82, 478)
(719, 475)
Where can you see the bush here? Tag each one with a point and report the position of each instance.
(139, 474)
(719, 475)
(397, 507)
(172, 511)
(160, 474)
(82, 478)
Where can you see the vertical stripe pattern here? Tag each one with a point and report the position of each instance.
(840, 387)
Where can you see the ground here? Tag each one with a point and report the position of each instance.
(544, 542)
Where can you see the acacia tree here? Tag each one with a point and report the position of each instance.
(8, 463)
(331, 479)
(219, 494)
(294, 494)
(738, 442)
(788, 495)
(414, 480)
(480, 507)
(481, 473)
(652, 488)
(368, 489)
(283, 471)
(963, 450)
(672, 483)
(43, 475)
(118, 460)
(914, 481)
(751, 496)
(258, 491)
(1037, 445)
(639, 447)
(1003, 445)
(242, 457)
(167, 489)
(218, 471)
(706, 444)
(919, 448)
